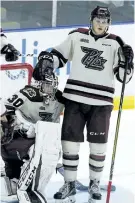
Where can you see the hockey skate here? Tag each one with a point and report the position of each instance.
(66, 193)
(94, 192)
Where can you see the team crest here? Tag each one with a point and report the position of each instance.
(93, 59)
(30, 91)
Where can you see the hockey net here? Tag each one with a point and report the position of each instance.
(13, 77)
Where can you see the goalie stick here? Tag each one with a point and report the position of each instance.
(79, 185)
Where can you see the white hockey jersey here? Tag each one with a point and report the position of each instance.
(29, 101)
(91, 79)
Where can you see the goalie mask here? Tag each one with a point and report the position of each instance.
(46, 88)
(49, 87)
(100, 20)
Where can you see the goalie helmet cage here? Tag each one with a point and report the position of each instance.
(13, 77)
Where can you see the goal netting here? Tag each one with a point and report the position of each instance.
(13, 77)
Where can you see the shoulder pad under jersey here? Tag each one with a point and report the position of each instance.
(112, 36)
(81, 30)
(116, 38)
(32, 93)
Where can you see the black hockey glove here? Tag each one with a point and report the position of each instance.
(44, 68)
(60, 98)
(128, 53)
(11, 54)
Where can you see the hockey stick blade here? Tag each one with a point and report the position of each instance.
(79, 185)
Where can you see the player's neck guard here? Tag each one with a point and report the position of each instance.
(97, 36)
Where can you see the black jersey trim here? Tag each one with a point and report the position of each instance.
(91, 86)
(88, 95)
(80, 30)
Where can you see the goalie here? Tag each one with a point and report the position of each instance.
(31, 149)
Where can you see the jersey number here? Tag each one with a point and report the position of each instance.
(15, 101)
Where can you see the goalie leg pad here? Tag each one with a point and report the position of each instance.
(50, 154)
(44, 157)
(30, 197)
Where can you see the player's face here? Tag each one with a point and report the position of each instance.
(99, 25)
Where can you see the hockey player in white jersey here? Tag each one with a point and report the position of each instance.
(97, 57)
(7, 49)
(37, 108)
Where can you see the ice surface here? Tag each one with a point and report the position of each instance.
(124, 170)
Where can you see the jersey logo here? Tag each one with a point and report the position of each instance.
(30, 92)
(84, 40)
(42, 108)
(46, 116)
(109, 45)
(93, 59)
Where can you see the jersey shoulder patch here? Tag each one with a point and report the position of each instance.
(80, 30)
(31, 93)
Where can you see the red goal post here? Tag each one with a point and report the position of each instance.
(18, 66)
